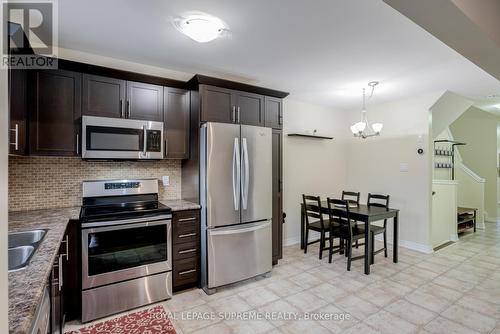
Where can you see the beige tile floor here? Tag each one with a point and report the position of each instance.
(454, 290)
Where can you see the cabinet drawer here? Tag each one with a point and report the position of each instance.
(185, 271)
(186, 227)
(186, 233)
(186, 250)
(185, 217)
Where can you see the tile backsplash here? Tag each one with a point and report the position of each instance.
(52, 182)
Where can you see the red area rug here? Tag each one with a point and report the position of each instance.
(150, 321)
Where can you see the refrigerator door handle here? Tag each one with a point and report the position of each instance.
(238, 230)
(236, 174)
(246, 174)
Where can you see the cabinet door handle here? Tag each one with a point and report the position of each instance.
(187, 272)
(186, 251)
(233, 115)
(238, 115)
(166, 148)
(16, 136)
(60, 272)
(121, 108)
(181, 220)
(128, 109)
(77, 144)
(187, 235)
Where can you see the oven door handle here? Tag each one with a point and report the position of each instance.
(127, 221)
(126, 226)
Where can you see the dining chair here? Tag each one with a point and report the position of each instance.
(342, 227)
(381, 201)
(314, 221)
(352, 198)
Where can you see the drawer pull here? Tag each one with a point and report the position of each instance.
(187, 235)
(181, 220)
(192, 250)
(187, 272)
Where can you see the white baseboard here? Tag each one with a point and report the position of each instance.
(313, 235)
(454, 237)
(291, 241)
(422, 248)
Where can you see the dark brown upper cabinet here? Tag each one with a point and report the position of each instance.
(274, 112)
(103, 96)
(144, 101)
(231, 106)
(250, 109)
(217, 104)
(110, 97)
(176, 123)
(18, 112)
(54, 102)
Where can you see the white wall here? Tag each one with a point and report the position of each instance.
(373, 165)
(311, 166)
(3, 199)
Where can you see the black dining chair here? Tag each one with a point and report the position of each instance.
(314, 221)
(352, 197)
(342, 227)
(382, 201)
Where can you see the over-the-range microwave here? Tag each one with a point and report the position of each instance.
(117, 138)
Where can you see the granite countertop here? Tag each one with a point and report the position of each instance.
(26, 286)
(180, 205)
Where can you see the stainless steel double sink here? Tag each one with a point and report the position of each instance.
(22, 246)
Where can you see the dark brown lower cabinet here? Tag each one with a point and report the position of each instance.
(56, 316)
(54, 103)
(72, 276)
(185, 249)
(277, 228)
(64, 281)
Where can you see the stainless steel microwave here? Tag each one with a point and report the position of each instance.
(116, 138)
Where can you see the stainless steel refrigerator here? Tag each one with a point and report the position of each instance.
(236, 199)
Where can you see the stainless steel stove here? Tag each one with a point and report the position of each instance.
(126, 238)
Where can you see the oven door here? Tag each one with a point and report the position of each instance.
(115, 138)
(115, 253)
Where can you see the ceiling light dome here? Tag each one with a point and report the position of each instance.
(200, 27)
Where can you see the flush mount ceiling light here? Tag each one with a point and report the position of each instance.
(362, 129)
(200, 27)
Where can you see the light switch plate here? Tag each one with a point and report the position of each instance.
(403, 167)
(165, 180)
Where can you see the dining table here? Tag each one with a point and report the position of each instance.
(364, 214)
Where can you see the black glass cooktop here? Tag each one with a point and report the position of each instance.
(121, 207)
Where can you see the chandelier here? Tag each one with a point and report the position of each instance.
(362, 129)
